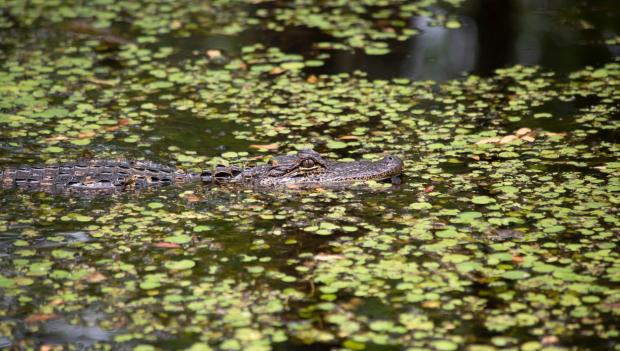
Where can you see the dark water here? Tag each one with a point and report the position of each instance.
(495, 34)
(556, 34)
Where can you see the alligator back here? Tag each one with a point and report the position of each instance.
(94, 175)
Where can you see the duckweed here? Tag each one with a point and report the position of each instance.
(503, 234)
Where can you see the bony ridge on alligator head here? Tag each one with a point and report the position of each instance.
(308, 168)
(306, 161)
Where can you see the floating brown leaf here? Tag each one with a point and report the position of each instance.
(273, 146)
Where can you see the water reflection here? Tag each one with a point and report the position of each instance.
(555, 34)
(558, 35)
(5, 342)
(62, 331)
(441, 53)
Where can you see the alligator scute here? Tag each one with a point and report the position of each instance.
(306, 168)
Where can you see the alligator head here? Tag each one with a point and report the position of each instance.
(307, 168)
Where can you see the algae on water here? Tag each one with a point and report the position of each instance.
(503, 234)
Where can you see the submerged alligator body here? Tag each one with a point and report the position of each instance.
(305, 169)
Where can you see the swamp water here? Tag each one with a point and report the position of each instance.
(503, 235)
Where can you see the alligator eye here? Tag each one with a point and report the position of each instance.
(307, 163)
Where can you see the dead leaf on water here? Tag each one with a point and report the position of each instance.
(165, 245)
(525, 134)
(88, 134)
(328, 257)
(214, 53)
(276, 70)
(40, 317)
(95, 277)
(57, 138)
(273, 146)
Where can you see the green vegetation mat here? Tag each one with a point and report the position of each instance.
(503, 235)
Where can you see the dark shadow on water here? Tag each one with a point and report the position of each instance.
(558, 35)
(205, 137)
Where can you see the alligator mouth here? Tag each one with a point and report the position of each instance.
(387, 168)
(339, 173)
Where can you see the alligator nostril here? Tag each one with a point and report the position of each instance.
(390, 158)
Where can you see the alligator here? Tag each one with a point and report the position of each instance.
(307, 168)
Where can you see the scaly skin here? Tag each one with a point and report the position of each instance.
(94, 176)
(306, 168)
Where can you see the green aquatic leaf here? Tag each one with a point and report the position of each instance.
(515, 275)
(77, 217)
(199, 346)
(293, 65)
(202, 228)
(81, 142)
(420, 206)
(54, 149)
(482, 200)
(178, 239)
(453, 24)
(155, 205)
(336, 144)
(376, 51)
(62, 254)
(444, 345)
(180, 265)
(6, 282)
